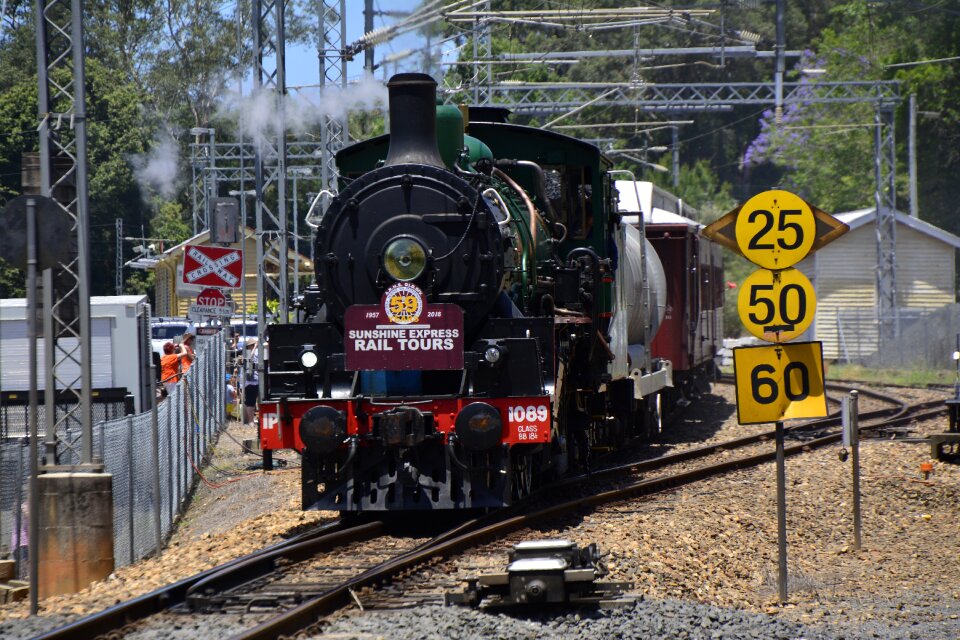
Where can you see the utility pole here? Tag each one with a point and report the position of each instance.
(268, 19)
(367, 28)
(912, 159)
(60, 46)
(333, 73)
(675, 149)
(780, 47)
(888, 317)
(118, 269)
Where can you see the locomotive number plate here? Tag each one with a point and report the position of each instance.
(528, 421)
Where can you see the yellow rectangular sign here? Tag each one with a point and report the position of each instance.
(779, 382)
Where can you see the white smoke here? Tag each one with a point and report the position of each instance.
(258, 116)
(158, 170)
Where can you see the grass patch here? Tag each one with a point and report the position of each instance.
(900, 377)
(896, 377)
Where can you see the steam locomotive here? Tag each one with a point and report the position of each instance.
(484, 316)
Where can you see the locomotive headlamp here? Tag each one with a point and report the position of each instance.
(479, 426)
(404, 259)
(493, 354)
(308, 357)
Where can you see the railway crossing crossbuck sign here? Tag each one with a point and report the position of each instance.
(213, 266)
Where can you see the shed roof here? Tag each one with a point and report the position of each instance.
(95, 301)
(861, 217)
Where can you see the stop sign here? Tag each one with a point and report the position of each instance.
(212, 298)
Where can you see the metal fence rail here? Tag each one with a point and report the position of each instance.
(106, 404)
(135, 453)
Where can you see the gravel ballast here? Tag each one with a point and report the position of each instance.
(703, 557)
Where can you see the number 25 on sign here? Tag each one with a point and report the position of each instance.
(779, 382)
(775, 229)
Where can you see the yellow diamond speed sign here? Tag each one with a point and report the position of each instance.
(776, 306)
(779, 382)
(775, 229)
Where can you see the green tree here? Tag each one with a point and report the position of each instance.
(12, 281)
(825, 152)
(170, 223)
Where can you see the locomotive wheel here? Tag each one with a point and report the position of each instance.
(521, 474)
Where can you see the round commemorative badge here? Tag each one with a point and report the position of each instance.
(403, 303)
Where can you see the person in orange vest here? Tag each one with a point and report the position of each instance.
(169, 367)
(187, 354)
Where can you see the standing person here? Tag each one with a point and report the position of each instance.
(169, 367)
(231, 396)
(252, 388)
(187, 354)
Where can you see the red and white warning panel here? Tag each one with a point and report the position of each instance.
(213, 266)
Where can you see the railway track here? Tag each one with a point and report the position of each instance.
(306, 600)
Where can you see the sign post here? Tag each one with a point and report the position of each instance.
(781, 517)
(851, 438)
(775, 230)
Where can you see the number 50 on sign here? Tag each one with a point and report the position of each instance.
(779, 382)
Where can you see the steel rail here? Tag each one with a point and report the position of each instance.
(164, 598)
(198, 588)
(235, 574)
(299, 619)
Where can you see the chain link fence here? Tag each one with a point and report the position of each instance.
(154, 461)
(927, 338)
(107, 404)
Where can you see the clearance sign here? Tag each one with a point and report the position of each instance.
(403, 332)
(775, 230)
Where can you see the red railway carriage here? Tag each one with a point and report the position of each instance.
(691, 332)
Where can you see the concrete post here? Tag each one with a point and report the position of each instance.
(76, 531)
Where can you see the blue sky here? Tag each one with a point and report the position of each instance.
(302, 67)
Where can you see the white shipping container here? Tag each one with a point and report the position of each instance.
(119, 345)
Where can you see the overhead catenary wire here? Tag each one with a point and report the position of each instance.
(919, 62)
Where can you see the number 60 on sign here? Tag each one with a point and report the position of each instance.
(779, 382)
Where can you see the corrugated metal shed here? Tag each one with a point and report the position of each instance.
(844, 275)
